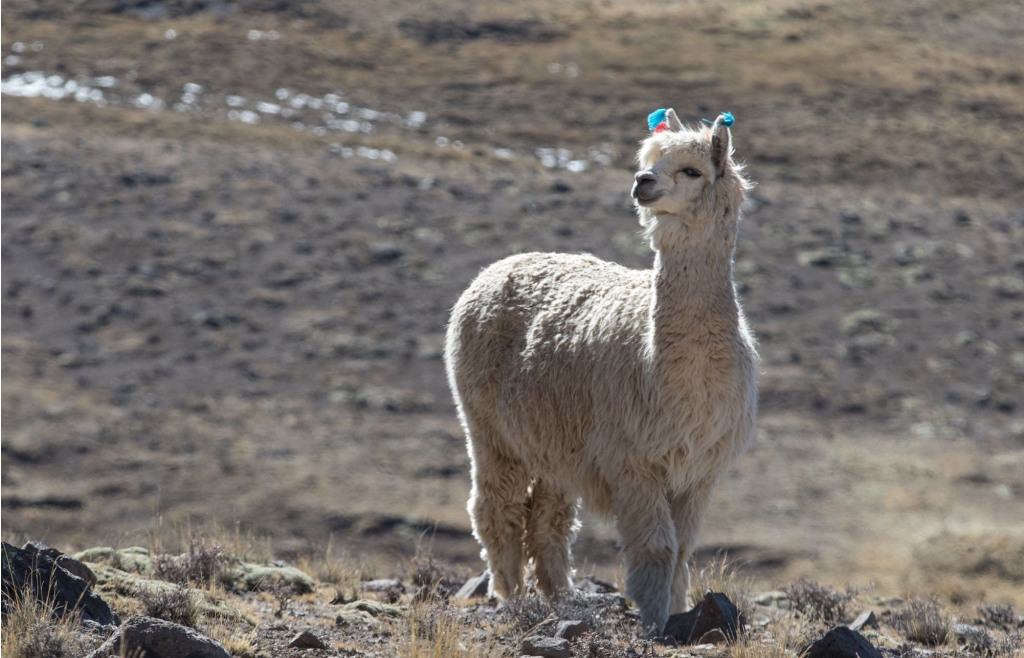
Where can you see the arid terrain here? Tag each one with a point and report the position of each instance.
(232, 231)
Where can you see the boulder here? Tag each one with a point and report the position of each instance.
(156, 638)
(36, 571)
(63, 561)
(842, 642)
(714, 611)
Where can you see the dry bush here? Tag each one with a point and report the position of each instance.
(998, 616)
(1011, 645)
(819, 602)
(923, 620)
(526, 614)
(170, 604)
(201, 564)
(33, 628)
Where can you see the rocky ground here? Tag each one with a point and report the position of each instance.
(232, 231)
(209, 602)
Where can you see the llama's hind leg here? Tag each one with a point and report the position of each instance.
(497, 507)
(650, 550)
(550, 530)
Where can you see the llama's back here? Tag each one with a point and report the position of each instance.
(524, 336)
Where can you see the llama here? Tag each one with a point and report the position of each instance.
(579, 380)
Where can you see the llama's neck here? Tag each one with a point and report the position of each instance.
(694, 298)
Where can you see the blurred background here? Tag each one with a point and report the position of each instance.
(232, 232)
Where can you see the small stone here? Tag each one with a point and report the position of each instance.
(476, 586)
(547, 647)
(864, 619)
(595, 585)
(382, 585)
(572, 629)
(306, 640)
(774, 599)
(841, 642)
(384, 252)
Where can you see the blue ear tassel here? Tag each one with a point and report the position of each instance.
(655, 118)
(727, 119)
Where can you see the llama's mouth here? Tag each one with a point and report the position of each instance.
(644, 196)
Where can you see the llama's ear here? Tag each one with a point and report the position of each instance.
(721, 147)
(673, 120)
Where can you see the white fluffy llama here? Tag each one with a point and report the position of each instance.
(578, 379)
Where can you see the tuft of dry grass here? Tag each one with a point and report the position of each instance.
(435, 630)
(721, 575)
(34, 628)
(923, 620)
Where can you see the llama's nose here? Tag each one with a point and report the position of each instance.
(643, 179)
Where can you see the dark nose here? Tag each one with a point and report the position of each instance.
(643, 181)
(644, 177)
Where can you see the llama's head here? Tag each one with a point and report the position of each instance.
(688, 174)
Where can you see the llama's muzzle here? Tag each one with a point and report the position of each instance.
(644, 187)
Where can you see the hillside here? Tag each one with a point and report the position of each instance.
(232, 233)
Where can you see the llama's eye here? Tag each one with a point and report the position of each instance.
(691, 172)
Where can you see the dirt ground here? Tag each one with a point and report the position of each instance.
(232, 232)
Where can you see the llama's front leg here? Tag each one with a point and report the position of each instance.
(650, 547)
(550, 530)
(688, 516)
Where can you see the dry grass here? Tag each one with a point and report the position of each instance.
(437, 631)
(33, 628)
(721, 575)
(819, 602)
(923, 620)
(421, 626)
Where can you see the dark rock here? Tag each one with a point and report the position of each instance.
(841, 642)
(156, 638)
(715, 611)
(37, 571)
(864, 620)
(548, 647)
(76, 568)
(306, 640)
(384, 252)
(66, 562)
(572, 629)
(474, 587)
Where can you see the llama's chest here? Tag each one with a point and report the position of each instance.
(705, 412)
